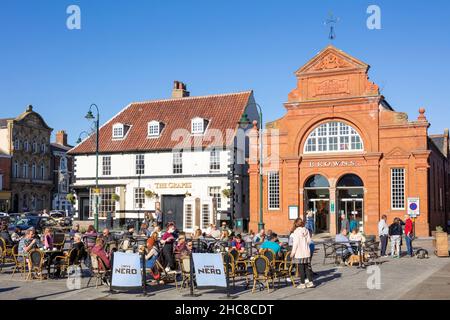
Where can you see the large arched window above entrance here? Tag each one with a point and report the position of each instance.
(333, 136)
(317, 181)
(350, 180)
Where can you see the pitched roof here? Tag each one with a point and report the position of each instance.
(4, 122)
(60, 147)
(439, 141)
(223, 112)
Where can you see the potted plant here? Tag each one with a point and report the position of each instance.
(188, 194)
(226, 193)
(115, 197)
(440, 242)
(150, 194)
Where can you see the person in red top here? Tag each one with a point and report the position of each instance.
(409, 235)
(238, 243)
(100, 252)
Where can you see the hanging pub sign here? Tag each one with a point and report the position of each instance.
(126, 271)
(209, 270)
(413, 207)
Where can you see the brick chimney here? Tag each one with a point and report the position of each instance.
(61, 138)
(179, 90)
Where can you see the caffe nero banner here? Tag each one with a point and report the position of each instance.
(209, 270)
(126, 270)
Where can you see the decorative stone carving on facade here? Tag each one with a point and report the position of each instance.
(330, 62)
(331, 87)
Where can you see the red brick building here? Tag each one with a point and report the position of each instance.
(341, 148)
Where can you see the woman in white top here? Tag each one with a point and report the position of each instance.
(301, 254)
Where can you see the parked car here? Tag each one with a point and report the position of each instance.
(61, 217)
(4, 217)
(34, 221)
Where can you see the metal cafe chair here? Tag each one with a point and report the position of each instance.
(329, 251)
(19, 262)
(36, 257)
(262, 272)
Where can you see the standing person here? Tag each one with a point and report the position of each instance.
(383, 233)
(301, 254)
(158, 216)
(344, 223)
(310, 221)
(168, 240)
(409, 235)
(395, 233)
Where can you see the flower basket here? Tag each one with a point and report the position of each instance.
(71, 198)
(115, 197)
(226, 193)
(150, 194)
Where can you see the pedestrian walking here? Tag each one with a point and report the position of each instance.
(301, 254)
(383, 233)
(395, 233)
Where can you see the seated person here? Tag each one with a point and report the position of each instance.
(215, 233)
(260, 237)
(100, 252)
(238, 243)
(4, 233)
(152, 254)
(17, 235)
(26, 244)
(225, 236)
(48, 238)
(272, 244)
(342, 238)
(75, 229)
(78, 245)
(181, 249)
(129, 233)
(225, 227)
(107, 236)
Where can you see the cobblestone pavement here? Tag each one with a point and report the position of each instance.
(405, 278)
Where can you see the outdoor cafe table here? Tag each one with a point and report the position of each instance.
(50, 256)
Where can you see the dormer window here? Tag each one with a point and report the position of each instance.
(119, 130)
(198, 125)
(154, 128)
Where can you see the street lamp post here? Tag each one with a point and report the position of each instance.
(90, 116)
(260, 165)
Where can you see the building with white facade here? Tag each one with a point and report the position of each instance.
(184, 155)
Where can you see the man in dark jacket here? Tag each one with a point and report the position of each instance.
(395, 233)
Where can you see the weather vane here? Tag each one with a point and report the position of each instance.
(331, 21)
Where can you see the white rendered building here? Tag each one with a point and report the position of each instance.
(184, 155)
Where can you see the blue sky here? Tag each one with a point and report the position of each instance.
(133, 50)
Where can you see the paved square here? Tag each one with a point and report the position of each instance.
(405, 278)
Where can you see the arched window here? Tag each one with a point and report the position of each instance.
(350, 180)
(317, 181)
(333, 136)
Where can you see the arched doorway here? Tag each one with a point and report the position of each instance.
(317, 200)
(350, 199)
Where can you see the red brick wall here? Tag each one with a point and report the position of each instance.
(335, 86)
